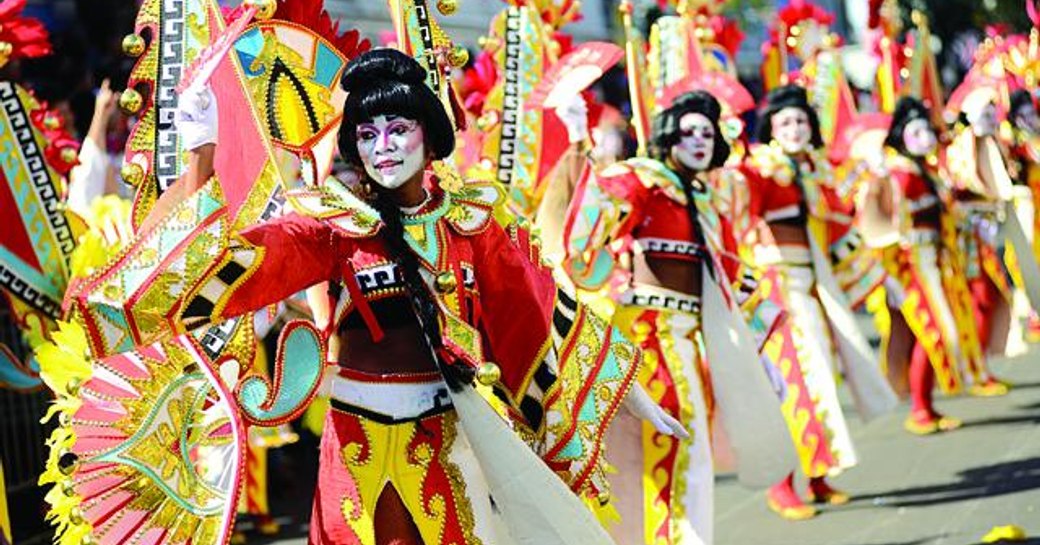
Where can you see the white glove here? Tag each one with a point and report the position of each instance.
(575, 116)
(638, 403)
(196, 117)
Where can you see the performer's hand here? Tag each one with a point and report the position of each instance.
(575, 117)
(638, 403)
(196, 117)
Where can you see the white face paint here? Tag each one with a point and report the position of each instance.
(984, 121)
(392, 149)
(919, 138)
(1027, 119)
(791, 129)
(696, 142)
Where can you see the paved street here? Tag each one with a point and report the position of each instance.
(943, 490)
(947, 489)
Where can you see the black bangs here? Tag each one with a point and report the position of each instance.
(375, 90)
(666, 131)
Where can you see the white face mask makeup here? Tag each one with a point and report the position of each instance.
(984, 121)
(392, 149)
(1027, 119)
(696, 143)
(791, 129)
(919, 138)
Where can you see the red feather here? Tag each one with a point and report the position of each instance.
(311, 14)
(27, 36)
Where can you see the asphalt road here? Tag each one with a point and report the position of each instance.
(948, 489)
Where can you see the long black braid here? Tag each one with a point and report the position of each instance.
(422, 301)
(698, 234)
(389, 83)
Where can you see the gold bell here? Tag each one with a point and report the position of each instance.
(133, 45)
(488, 373)
(132, 173)
(69, 154)
(603, 497)
(76, 516)
(458, 56)
(447, 7)
(68, 489)
(264, 8)
(73, 386)
(87, 540)
(51, 121)
(446, 282)
(130, 101)
(5, 52)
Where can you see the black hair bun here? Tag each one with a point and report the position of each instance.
(700, 102)
(786, 96)
(382, 65)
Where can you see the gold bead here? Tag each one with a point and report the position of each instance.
(5, 52)
(69, 154)
(51, 121)
(264, 8)
(458, 56)
(87, 540)
(446, 282)
(76, 516)
(488, 373)
(447, 7)
(68, 489)
(132, 173)
(133, 45)
(130, 101)
(73, 386)
(603, 497)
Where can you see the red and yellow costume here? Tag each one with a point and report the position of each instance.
(563, 371)
(934, 304)
(641, 202)
(821, 332)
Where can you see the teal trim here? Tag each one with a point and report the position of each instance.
(301, 354)
(327, 64)
(32, 277)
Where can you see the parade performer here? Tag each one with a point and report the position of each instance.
(682, 251)
(431, 290)
(1025, 151)
(982, 188)
(792, 193)
(917, 203)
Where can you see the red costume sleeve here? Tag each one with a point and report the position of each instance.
(517, 299)
(267, 263)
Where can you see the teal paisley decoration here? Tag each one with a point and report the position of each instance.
(295, 379)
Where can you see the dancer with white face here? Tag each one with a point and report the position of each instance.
(790, 184)
(433, 255)
(916, 199)
(663, 486)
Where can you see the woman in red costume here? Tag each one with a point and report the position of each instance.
(427, 292)
(682, 249)
(791, 194)
(916, 205)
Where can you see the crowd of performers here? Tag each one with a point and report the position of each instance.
(511, 332)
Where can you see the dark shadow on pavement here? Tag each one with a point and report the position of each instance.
(980, 482)
(1004, 420)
